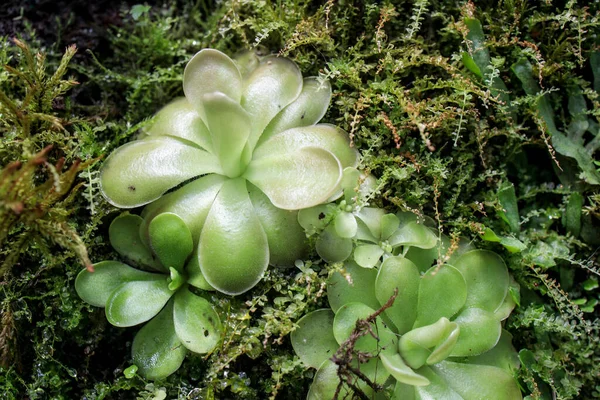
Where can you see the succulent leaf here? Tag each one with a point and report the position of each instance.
(301, 181)
(134, 302)
(370, 218)
(229, 126)
(156, 349)
(191, 203)
(480, 331)
(233, 251)
(396, 366)
(429, 344)
(286, 238)
(331, 247)
(308, 108)
(171, 240)
(324, 136)
(96, 287)
(124, 236)
(197, 325)
(415, 235)
(356, 283)
(141, 171)
(269, 88)
(477, 381)
(486, 277)
(345, 321)
(313, 340)
(367, 255)
(345, 225)
(180, 119)
(211, 71)
(442, 293)
(400, 273)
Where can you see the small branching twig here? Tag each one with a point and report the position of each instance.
(346, 354)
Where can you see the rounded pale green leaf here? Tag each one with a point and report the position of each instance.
(211, 71)
(96, 287)
(141, 171)
(509, 303)
(233, 252)
(274, 84)
(191, 203)
(156, 349)
(344, 324)
(367, 255)
(229, 126)
(195, 277)
(503, 355)
(442, 293)
(171, 240)
(396, 366)
(331, 247)
(399, 273)
(324, 136)
(415, 235)
(350, 184)
(308, 108)
(369, 226)
(352, 284)
(345, 225)
(132, 303)
(313, 340)
(425, 258)
(124, 235)
(389, 225)
(295, 181)
(246, 61)
(429, 344)
(477, 381)
(437, 388)
(286, 238)
(487, 279)
(197, 324)
(479, 332)
(313, 219)
(180, 119)
(326, 382)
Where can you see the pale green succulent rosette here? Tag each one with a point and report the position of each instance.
(351, 230)
(177, 319)
(248, 128)
(441, 338)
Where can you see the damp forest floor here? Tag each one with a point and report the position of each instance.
(491, 131)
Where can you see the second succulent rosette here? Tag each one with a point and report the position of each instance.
(248, 128)
(177, 319)
(442, 337)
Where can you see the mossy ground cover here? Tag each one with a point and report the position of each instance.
(483, 116)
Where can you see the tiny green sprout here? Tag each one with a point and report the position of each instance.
(130, 371)
(248, 128)
(177, 320)
(414, 330)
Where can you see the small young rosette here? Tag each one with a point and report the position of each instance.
(368, 234)
(177, 319)
(442, 338)
(249, 128)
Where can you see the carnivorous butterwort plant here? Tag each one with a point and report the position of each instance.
(249, 128)
(177, 319)
(441, 338)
